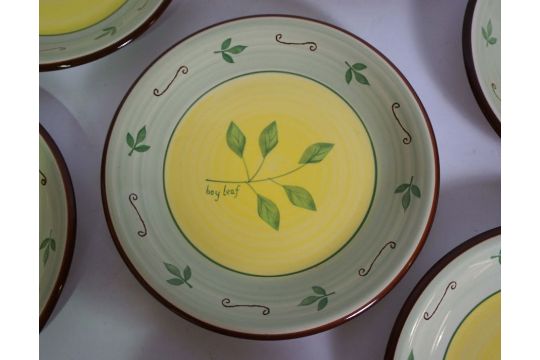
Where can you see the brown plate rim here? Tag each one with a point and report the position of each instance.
(426, 280)
(71, 229)
(117, 45)
(309, 331)
(471, 70)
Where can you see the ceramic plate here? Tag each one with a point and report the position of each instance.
(270, 177)
(56, 224)
(74, 32)
(482, 53)
(455, 310)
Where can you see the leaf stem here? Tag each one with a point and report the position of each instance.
(131, 152)
(188, 284)
(219, 51)
(252, 188)
(260, 180)
(412, 177)
(332, 293)
(258, 169)
(245, 166)
(349, 65)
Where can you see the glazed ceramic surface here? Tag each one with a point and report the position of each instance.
(56, 224)
(482, 51)
(270, 177)
(75, 32)
(456, 313)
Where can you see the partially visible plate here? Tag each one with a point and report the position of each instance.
(455, 310)
(270, 177)
(56, 224)
(482, 54)
(74, 32)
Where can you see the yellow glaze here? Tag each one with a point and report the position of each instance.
(64, 16)
(479, 336)
(227, 228)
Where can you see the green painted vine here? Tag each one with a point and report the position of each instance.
(406, 189)
(355, 70)
(136, 144)
(227, 51)
(320, 297)
(267, 210)
(180, 277)
(486, 34)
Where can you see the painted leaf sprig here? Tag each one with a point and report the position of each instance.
(406, 190)
(321, 297)
(227, 50)
(179, 277)
(47, 245)
(486, 34)
(136, 144)
(298, 196)
(355, 70)
(107, 31)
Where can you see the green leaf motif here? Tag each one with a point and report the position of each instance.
(315, 153)
(47, 245)
(348, 76)
(130, 141)
(268, 138)
(485, 34)
(52, 244)
(489, 28)
(309, 300)
(44, 243)
(492, 41)
(322, 304)
(226, 43)
(406, 200)
(406, 189)
(300, 197)
(187, 273)
(361, 78)
(268, 211)
(401, 188)
(135, 145)
(318, 290)
(175, 281)
(46, 255)
(228, 58)
(142, 148)
(141, 135)
(173, 269)
(236, 49)
(236, 139)
(359, 67)
(411, 356)
(416, 191)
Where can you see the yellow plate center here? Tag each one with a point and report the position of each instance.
(64, 16)
(479, 335)
(269, 173)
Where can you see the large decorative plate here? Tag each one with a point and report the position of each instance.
(74, 32)
(455, 310)
(56, 224)
(270, 177)
(482, 54)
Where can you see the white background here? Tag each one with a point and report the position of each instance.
(104, 313)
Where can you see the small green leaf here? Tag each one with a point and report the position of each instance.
(187, 273)
(489, 28)
(406, 200)
(268, 211)
(348, 76)
(318, 290)
(315, 153)
(485, 34)
(142, 148)
(45, 256)
(130, 141)
(300, 197)
(415, 190)
(401, 188)
(359, 66)
(175, 281)
(236, 139)
(322, 304)
(141, 135)
(268, 138)
(225, 44)
(53, 244)
(228, 58)
(44, 243)
(361, 78)
(173, 269)
(411, 356)
(309, 300)
(236, 49)
(492, 40)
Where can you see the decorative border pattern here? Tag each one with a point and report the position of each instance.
(408, 138)
(452, 286)
(183, 69)
(363, 271)
(43, 180)
(312, 45)
(226, 303)
(134, 197)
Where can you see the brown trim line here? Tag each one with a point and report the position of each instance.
(108, 49)
(71, 229)
(311, 331)
(425, 281)
(471, 71)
